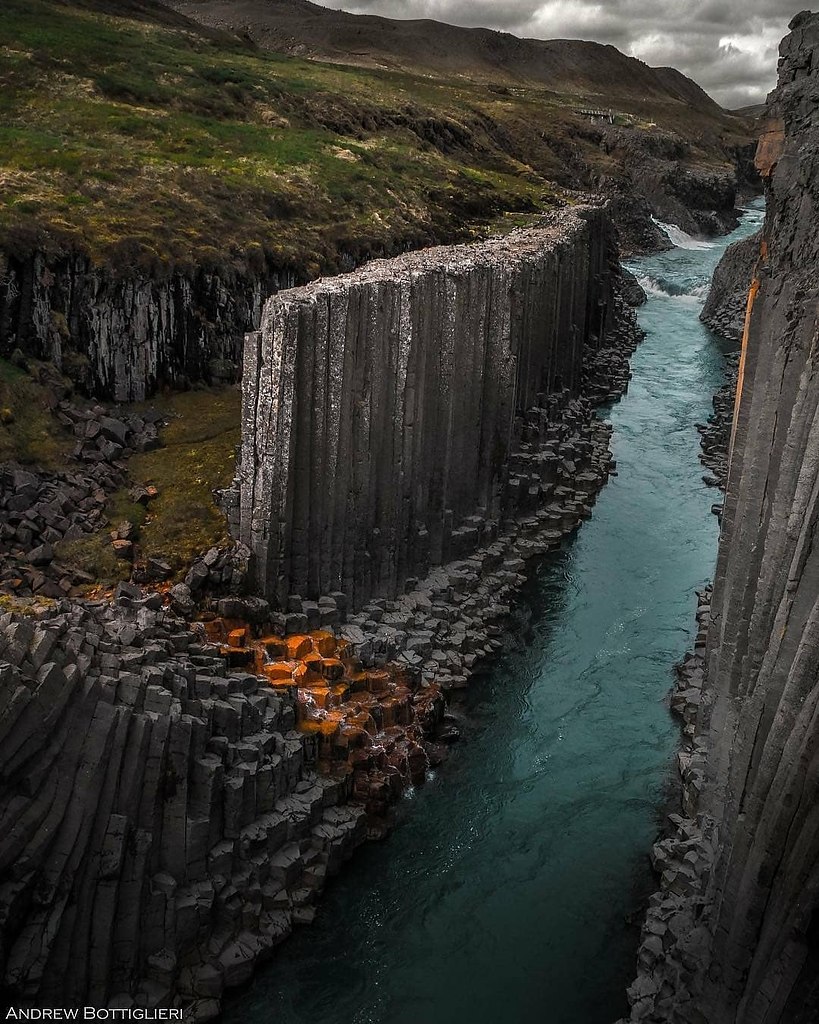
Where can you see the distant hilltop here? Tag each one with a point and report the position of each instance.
(561, 65)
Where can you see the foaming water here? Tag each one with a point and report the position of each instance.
(682, 239)
(504, 893)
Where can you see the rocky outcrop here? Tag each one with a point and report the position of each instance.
(381, 409)
(715, 435)
(724, 309)
(120, 335)
(40, 509)
(163, 826)
(732, 936)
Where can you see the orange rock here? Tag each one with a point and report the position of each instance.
(274, 647)
(358, 681)
(278, 670)
(324, 643)
(341, 691)
(313, 662)
(238, 637)
(299, 646)
(332, 668)
(770, 147)
(378, 681)
(326, 727)
(301, 673)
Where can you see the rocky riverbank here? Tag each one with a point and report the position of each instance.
(715, 435)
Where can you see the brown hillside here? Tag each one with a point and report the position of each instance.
(591, 70)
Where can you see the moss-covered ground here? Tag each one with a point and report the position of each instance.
(145, 141)
(29, 432)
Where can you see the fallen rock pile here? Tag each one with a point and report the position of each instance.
(716, 434)
(675, 939)
(40, 508)
(606, 370)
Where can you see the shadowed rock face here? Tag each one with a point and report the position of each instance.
(724, 309)
(122, 337)
(380, 407)
(764, 640)
(733, 935)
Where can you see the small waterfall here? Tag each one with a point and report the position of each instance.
(681, 238)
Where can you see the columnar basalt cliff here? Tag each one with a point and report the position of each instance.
(162, 824)
(732, 936)
(123, 335)
(381, 408)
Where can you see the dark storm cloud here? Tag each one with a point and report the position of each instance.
(729, 48)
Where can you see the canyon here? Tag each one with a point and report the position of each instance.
(468, 501)
(219, 773)
(137, 252)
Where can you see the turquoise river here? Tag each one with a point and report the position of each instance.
(506, 891)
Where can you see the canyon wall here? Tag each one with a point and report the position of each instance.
(123, 334)
(763, 656)
(381, 408)
(724, 309)
(733, 935)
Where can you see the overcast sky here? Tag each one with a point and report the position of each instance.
(728, 46)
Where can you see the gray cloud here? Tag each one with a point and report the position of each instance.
(729, 48)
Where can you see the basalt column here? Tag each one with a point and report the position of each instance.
(733, 935)
(764, 650)
(380, 407)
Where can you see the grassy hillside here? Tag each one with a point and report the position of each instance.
(140, 136)
(600, 74)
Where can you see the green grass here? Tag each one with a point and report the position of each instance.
(199, 456)
(142, 142)
(29, 433)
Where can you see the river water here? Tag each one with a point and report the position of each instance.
(504, 894)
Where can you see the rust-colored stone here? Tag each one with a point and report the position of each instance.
(299, 646)
(238, 637)
(369, 722)
(770, 146)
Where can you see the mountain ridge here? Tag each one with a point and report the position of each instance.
(364, 40)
